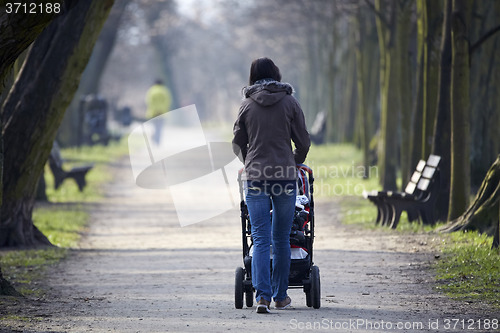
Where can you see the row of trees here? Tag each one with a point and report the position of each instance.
(402, 78)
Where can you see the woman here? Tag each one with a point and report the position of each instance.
(268, 120)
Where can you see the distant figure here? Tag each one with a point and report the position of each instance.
(158, 100)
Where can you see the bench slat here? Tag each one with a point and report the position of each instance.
(420, 166)
(423, 184)
(428, 172)
(433, 161)
(415, 177)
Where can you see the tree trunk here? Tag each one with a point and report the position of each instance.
(460, 101)
(332, 78)
(163, 47)
(416, 149)
(18, 31)
(389, 102)
(441, 138)
(6, 288)
(34, 109)
(433, 14)
(364, 116)
(483, 213)
(403, 39)
(485, 87)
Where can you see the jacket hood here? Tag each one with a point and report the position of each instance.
(267, 92)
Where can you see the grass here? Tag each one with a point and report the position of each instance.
(468, 269)
(100, 156)
(24, 269)
(63, 219)
(338, 171)
(61, 225)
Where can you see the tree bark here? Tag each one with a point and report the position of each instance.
(485, 125)
(403, 39)
(364, 116)
(433, 18)
(34, 109)
(441, 138)
(460, 102)
(483, 213)
(18, 31)
(389, 101)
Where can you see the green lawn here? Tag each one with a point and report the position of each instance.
(470, 269)
(338, 171)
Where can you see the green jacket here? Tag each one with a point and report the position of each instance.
(158, 100)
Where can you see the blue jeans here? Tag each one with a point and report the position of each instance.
(261, 196)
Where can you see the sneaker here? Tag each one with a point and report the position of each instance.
(281, 305)
(263, 306)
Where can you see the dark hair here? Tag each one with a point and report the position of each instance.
(264, 68)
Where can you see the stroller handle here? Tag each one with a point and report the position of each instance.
(306, 169)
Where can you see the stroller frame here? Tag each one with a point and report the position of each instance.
(303, 273)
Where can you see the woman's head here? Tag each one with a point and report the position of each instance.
(264, 68)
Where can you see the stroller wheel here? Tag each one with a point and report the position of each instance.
(315, 292)
(239, 288)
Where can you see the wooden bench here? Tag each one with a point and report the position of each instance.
(384, 210)
(418, 199)
(60, 174)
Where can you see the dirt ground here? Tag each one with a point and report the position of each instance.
(137, 270)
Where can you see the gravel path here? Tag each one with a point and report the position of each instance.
(138, 271)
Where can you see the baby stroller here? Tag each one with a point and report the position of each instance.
(303, 273)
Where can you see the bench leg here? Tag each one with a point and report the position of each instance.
(380, 214)
(388, 213)
(395, 218)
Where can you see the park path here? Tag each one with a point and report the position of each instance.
(137, 270)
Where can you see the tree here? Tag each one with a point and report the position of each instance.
(460, 102)
(34, 108)
(442, 126)
(17, 32)
(404, 82)
(485, 89)
(389, 95)
(483, 213)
